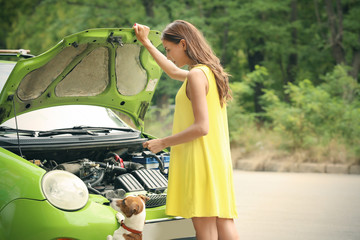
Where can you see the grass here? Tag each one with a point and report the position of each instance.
(264, 143)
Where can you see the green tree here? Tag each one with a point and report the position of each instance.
(316, 115)
(10, 11)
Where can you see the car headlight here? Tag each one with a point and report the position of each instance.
(64, 190)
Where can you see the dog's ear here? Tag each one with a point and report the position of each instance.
(144, 198)
(136, 208)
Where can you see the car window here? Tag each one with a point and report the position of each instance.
(5, 70)
(66, 116)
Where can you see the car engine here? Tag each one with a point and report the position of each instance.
(116, 175)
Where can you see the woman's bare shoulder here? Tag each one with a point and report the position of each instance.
(197, 78)
(196, 73)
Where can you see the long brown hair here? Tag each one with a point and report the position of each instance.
(200, 52)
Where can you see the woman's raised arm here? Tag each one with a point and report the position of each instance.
(168, 66)
(198, 85)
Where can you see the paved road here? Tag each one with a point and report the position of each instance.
(297, 206)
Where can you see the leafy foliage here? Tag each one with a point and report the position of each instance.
(316, 115)
(294, 65)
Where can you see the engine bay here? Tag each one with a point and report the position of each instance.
(117, 173)
(112, 162)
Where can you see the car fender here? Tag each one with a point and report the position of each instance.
(19, 178)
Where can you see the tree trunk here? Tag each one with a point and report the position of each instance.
(256, 58)
(318, 19)
(169, 12)
(224, 45)
(336, 30)
(356, 62)
(148, 4)
(293, 57)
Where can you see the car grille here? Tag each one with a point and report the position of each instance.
(156, 200)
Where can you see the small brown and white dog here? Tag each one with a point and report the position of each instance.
(131, 216)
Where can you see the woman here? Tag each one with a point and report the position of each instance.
(200, 178)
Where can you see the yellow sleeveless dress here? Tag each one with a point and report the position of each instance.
(200, 171)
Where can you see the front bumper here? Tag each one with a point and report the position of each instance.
(33, 220)
(165, 229)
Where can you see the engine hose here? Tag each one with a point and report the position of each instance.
(161, 163)
(97, 181)
(115, 158)
(133, 166)
(116, 169)
(90, 188)
(111, 154)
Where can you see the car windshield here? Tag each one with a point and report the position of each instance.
(67, 116)
(5, 70)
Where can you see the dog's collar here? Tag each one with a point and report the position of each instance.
(122, 224)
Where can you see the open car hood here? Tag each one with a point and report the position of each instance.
(103, 67)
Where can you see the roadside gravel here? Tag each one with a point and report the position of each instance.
(271, 165)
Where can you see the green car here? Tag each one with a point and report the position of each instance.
(64, 150)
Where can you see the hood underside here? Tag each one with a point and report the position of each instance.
(103, 67)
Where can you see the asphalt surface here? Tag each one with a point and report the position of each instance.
(297, 206)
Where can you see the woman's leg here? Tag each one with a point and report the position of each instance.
(226, 229)
(205, 228)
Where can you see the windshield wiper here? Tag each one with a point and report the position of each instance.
(81, 130)
(124, 129)
(8, 130)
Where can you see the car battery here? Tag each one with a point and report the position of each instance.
(150, 162)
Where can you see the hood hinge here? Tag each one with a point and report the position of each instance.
(111, 39)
